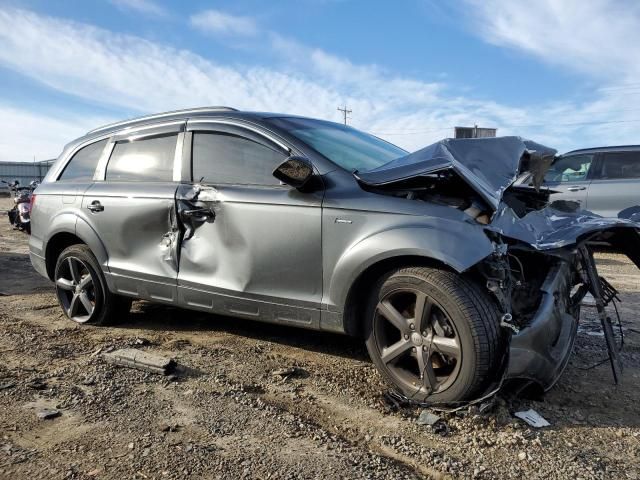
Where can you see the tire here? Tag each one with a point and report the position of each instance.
(82, 289)
(448, 353)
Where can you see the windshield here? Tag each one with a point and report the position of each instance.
(347, 147)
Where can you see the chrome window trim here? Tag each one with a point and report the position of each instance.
(136, 133)
(177, 158)
(246, 126)
(101, 171)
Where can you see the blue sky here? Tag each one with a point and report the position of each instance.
(565, 73)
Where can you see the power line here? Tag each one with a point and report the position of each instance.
(345, 112)
(572, 124)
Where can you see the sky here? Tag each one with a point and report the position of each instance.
(565, 73)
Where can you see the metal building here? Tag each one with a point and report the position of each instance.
(474, 132)
(24, 172)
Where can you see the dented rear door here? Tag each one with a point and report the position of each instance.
(132, 208)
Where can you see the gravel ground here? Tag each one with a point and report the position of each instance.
(227, 416)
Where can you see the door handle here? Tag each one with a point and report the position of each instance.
(576, 188)
(199, 214)
(95, 206)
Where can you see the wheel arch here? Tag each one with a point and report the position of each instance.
(456, 248)
(63, 238)
(356, 298)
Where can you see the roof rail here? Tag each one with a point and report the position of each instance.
(162, 115)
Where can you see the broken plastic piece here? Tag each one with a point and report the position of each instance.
(533, 418)
(427, 418)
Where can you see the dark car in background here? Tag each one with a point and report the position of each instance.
(604, 180)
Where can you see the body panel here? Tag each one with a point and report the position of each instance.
(610, 197)
(136, 228)
(259, 234)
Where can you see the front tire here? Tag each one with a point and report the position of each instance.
(433, 334)
(82, 289)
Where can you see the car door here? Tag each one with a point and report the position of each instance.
(251, 246)
(616, 183)
(570, 177)
(131, 206)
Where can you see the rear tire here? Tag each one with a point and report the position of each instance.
(433, 334)
(82, 289)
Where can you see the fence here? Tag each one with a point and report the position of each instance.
(24, 172)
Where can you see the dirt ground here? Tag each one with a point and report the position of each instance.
(227, 416)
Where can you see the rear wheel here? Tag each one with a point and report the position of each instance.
(433, 333)
(82, 290)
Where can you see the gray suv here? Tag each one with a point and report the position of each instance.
(456, 278)
(603, 180)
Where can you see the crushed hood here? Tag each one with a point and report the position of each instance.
(488, 165)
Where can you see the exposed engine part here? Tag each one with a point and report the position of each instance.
(600, 294)
(444, 188)
(505, 321)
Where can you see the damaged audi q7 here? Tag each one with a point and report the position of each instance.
(456, 277)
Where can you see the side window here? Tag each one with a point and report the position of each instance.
(573, 168)
(225, 158)
(83, 164)
(147, 160)
(621, 165)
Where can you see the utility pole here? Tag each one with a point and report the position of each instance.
(345, 112)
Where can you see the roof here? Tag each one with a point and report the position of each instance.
(171, 115)
(613, 148)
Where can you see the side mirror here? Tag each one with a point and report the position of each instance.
(295, 171)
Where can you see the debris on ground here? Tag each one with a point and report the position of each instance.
(288, 372)
(150, 362)
(427, 418)
(48, 413)
(533, 418)
(37, 384)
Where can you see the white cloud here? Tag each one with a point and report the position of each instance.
(25, 135)
(100, 66)
(146, 7)
(598, 37)
(217, 22)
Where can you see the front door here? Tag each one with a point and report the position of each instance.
(251, 246)
(132, 208)
(569, 176)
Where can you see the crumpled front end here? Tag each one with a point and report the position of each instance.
(542, 264)
(539, 297)
(540, 351)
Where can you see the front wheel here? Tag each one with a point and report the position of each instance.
(433, 334)
(82, 289)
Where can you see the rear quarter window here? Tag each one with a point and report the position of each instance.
(83, 164)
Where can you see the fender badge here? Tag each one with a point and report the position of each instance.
(343, 220)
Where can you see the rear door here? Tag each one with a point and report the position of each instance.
(258, 253)
(616, 183)
(131, 206)
(570, 176)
